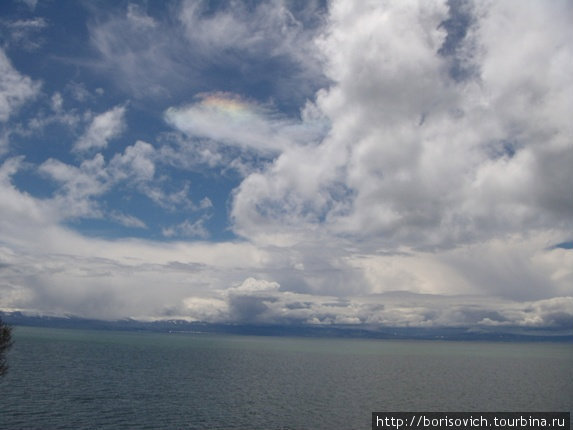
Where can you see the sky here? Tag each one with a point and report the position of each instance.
(367, 164)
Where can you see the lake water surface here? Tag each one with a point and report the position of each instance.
(80, 379)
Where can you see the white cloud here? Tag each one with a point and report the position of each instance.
(529, 104)
(260, 301)
(22, 215)
(205, 309)
(269, 29)
(103, 128)
(252, 285)
(188, 229)
(415, 157)
(379, 96)
(30, 3)
(402, 196)
(57, 102)
(171, 200)
(80, 186)
(51, 268)
(127, 220)
(71, 119)
(135, 164)
(81, 189)
(429, 181)
(166, 58)
(15, 88)
(139, 17)
(23, 33)
(205, 203)
(228, 119)
(137, 52)
(79, 92)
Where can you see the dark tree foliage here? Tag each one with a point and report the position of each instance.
(5, 344)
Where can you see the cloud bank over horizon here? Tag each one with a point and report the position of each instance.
(367, 164)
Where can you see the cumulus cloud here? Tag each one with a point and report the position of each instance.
(81, 190)
(78, 185)
(415, 156)
(136, 163)
(81, 186)
(243, 282)
(103, 128)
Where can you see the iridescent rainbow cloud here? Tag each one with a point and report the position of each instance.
(227, 104)
(230, 119)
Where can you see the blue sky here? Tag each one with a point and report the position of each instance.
(357, 163)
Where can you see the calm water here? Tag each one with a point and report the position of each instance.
(77, 379)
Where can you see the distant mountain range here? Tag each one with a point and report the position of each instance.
(422, 333)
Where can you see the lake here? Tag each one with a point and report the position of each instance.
(82, 379)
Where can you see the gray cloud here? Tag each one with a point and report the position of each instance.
(258, 301)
